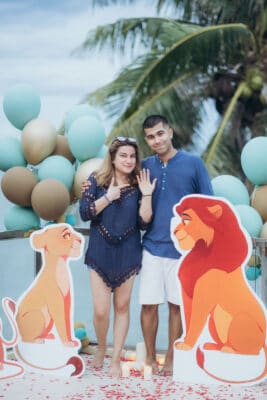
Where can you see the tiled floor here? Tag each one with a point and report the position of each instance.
(98, 385)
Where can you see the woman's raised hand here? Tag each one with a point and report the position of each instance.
(146, 187)
(114, 192)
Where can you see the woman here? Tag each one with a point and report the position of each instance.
(117, 210)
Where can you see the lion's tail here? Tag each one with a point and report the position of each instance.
(9, 307)
(200, 356)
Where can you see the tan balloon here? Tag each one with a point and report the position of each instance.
(263, 233)
(62, 148)
(17, 185)
(259, 201)
(38, 140)
(254, 260)
(82, 173)
(50, 199)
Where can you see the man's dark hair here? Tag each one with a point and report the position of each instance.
(153, 120)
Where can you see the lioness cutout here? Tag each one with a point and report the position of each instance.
(213, 284)
(47, 304)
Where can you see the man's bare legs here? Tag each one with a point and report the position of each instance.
(101, 295)
(149, 323)
(121, 300)
(175, 331)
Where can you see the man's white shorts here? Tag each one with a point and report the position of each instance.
(158, 280)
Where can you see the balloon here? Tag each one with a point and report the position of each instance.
(62, 148)
(86, 136)
(254, 160)
(252, 273)
(259, 201)
(21, 218)
(70, 219)
(80, 333)
(57, 167)
(250, 219)
(11, 153)
(50, 199)
(231, 188)
(82, 173)
(79, 325)
(38, 139)
(254, 261)
(80, 110)
(21, 104)
(17, 185)
(263, 233)
(102, 152)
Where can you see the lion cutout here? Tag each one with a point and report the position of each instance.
(44, 313)
(224, 321)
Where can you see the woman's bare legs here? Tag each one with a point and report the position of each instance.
(121, 300)
(101, 295)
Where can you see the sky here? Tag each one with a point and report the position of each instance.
(37, 41)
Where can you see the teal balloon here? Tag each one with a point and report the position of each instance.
(57, 167)
(252, 273)
(81, 110)
(86, 137)
(231, 188)
(250, 219)
(80, 333)
(21, 218)
(102, 152)
(11, 153)
(254, 160)
(70, 219)
(21, 104)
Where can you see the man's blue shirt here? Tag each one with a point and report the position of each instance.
(184, 174)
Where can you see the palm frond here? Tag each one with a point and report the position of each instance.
(229, 111)
(195, 51)
(130, 33)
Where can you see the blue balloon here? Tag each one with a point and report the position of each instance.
(231, 188)
(21, 104)
(254, 160)
(250, 219)
(102, 152)
(70, 219)
(86, 137)
(252, 273)
(80, 110)
(21, 218)
(11, 153)
(80, 333)
(57, 167)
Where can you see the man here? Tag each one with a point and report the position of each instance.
(178, 173)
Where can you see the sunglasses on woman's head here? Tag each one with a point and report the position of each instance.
(125, 139)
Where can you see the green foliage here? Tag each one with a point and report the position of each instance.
(203, 51)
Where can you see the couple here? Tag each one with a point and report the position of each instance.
(121, 199)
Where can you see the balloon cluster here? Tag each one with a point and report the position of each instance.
(44, 170)
(81, 334)
(252, 209)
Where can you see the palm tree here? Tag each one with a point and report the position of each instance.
(215, 50)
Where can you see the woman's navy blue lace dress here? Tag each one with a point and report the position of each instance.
(114, 249)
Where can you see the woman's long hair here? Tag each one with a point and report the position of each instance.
(106, 171)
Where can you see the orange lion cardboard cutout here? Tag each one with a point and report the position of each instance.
(224, 321)
(44, 313)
